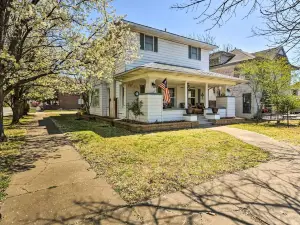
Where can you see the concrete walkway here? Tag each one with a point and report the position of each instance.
(54, 182)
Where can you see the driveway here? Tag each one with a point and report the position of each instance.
(7, 111)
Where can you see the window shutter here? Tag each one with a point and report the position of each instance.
(155, 44)
(142, 41)
(190, 52)
(199, 53)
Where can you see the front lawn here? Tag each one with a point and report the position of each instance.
(143, 166)
(10, 150)
(279, 132)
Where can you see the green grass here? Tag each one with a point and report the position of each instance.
(10, 150)
(32, 110)
(279, 132)
(143, 166)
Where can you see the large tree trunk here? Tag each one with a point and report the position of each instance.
(2, 134)
(16, 106)
(86, 103)
(26, 108)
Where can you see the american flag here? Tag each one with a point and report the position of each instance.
(164, 87)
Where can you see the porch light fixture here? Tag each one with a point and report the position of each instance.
(153, 85)
(188, 86)
(202, 95)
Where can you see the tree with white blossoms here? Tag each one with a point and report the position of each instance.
(119, 45)
(39, 38)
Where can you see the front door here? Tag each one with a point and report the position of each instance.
(247, 103)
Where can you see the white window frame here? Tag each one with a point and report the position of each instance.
(152, 43)
(192, 52)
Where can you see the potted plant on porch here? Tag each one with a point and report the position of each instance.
(189, 110)
(215, 110)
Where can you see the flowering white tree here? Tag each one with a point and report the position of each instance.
(39, 38)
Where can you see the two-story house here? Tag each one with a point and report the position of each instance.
(183, 61)
(227, 63)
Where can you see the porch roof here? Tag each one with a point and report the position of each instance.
(177, 70)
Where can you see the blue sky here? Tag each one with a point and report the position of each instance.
(157, 13)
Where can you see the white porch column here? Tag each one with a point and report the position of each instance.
(206, 96)
(186, 94)
(149, 88)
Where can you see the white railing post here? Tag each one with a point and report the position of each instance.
(206, 96)
(186, 94)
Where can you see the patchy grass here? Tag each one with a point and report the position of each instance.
(143, 166)
(10, 150)
(279, 132)
(32, 110)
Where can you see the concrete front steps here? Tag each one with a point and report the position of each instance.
(203, 121)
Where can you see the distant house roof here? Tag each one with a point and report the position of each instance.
(168, 35)
(221, 53)
(238, 55)
(269, 53)
(185, 70)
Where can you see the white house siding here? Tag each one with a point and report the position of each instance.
(120, 67)
(152, 108)
(153, 111)
(173, 115)
(130, 88)
(101, 110)
(228, 103)
(171, 53)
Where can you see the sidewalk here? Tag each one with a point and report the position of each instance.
(52, 188)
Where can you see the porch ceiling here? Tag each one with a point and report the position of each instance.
(176, 74)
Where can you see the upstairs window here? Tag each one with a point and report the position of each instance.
(148, 43)
(194, 53)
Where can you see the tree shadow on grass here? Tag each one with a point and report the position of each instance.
(264, 196)
(34, 146)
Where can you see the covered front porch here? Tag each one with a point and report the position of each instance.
(188, 90)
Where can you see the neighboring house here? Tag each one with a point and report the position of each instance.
(185, 64)
(61, 101)
(227, 62)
